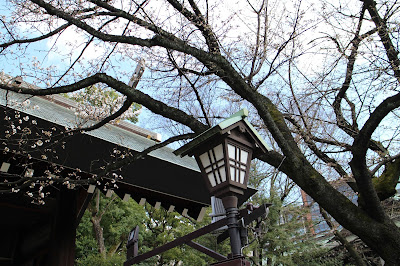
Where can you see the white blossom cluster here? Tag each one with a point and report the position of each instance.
(19, 126)
(24, 105)
(97, 104)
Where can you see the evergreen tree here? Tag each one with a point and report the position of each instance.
(281, 237)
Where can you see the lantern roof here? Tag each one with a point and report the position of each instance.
(239, 118)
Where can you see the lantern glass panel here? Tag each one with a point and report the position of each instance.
(219, 152)
(237, 163)
(222, 172)
(242, 174)
(212, 179)
(231, 151)
(213, 164)
(243, 156)
(232, 170)
(205, 161)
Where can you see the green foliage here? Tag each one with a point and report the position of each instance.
(285, 238)
(157, 227)
(98, 260)
(85, 242)
(316, 257)
(119, 218)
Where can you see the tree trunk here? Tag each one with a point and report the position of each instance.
(113, 249)
(98, 231)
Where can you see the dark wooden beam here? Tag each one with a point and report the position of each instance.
(177, 242)
(206, 251)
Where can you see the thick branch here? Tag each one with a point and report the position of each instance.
(134, 95)
(385, 184)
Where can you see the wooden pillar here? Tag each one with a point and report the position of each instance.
(62, 249)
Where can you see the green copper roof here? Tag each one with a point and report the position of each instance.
(236, 117)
